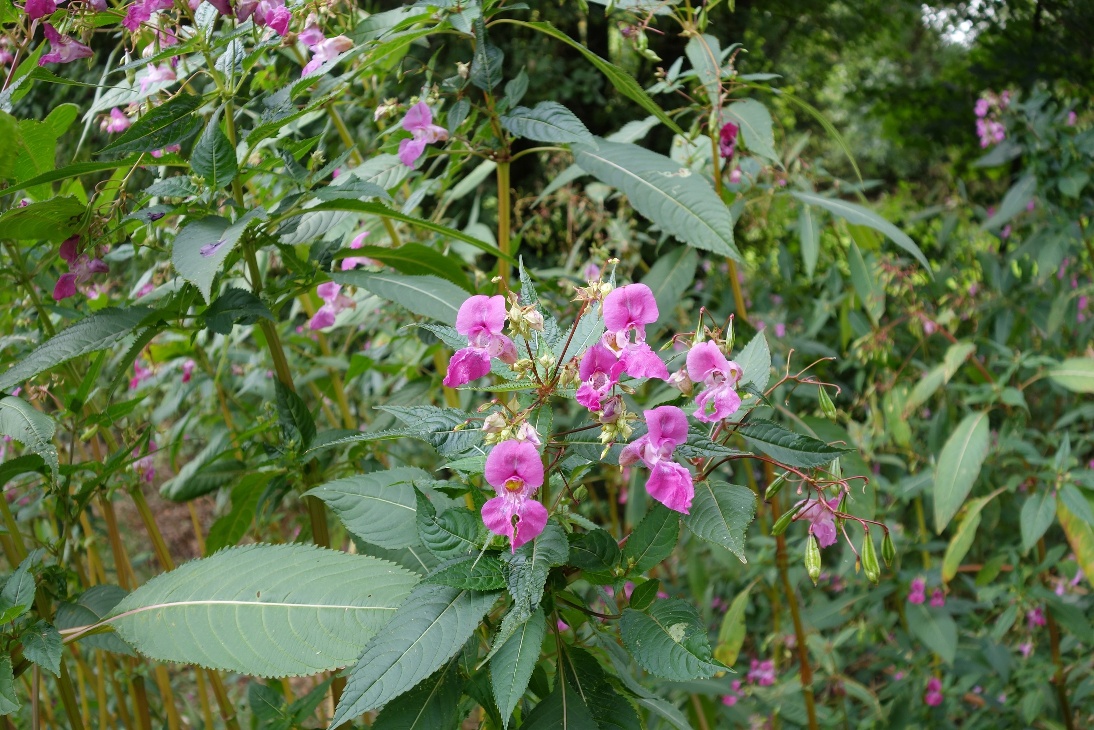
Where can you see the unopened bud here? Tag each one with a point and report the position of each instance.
(528, 433)
(463, 69)
(828, 408)
(869, 560)
(785, 519)
(888, 550)
(681, 381)
(612, 409)
(494, 423)
(534, 318)
(776, 486)
(813, 559)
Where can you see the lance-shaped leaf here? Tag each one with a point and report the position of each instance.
(1076, 374)
(20, 421)
(529, 566)
(549, 121)
(512, 664)
(431, 626)
(652, 540)
(755, 362)
(164, 125)
(431, 705)
(417, 260)
(720, 513)
(264, 610)
(214, 157)
(679, 201)
(52, 220)
(958, 466)
(563, 709)
(755, 122)
(670, 641)
(793, 449)
(428, 296)
(97, 331)
(809, 238)
(379, 507)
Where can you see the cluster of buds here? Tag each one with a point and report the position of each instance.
(614, 419)
(496, 428)
(524, 319)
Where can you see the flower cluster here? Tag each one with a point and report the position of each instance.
(481, 320)
(419, 122)
(988, 127)
(669, 483)
(81, 268)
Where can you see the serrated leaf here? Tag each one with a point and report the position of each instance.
(214, 157)
(676, 199)
(293, 415)
(529, 566)
(229, 529)
(431, 626)
(487, 60)
(379, 507)
(859, 215)
(669, 641)
(548, 121)
(1080, 536)
(652, 540)
(17, 595)
(9, 699)
(669, 279)
(454, 533)
(185, 485)
(787, 447)
(50, 220)
(97, 331)
(473, 573)
(511, 666)
(755, 362)
(446, 429)
(20, 421)
(167, 124)
(92, 606)
(609, 708)
(1076, 374)
(264, 610)
(200, 249)
(958, 466)
(720, 513)
(596, 554)
(432, 705)
(427, 296)
(235, 306)
(416, 260)
(563, 709)
(756, 127)
(705, 54)
(42, 645)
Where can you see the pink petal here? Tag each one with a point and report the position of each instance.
(514, 460)
(667, 424)
(640, 361)
(632, 452)
(705, 359)
(532, 520)
(410, 150)
(588, 396)
(470, 363)
(70, 249)
(717, 402)
(65, 288)
(629, 306)
(279, 19)
(671, 485)
(323, 318)
(599, 359)
(417, 118)
(497, 515)
(481, 315)
(36, 9)
(328, 291)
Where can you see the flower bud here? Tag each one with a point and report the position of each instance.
(785, 519)
(494, 423)
(463, 69)
(528, 433)
(813, 559)
(612, 410)
(828, 408)
(534, 318)
(681, 381)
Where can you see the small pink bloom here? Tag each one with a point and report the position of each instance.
(735, 176)
(591, 272)
(822, 519)
(933, 696)
(1036, 618)
(65, 49)
(419, 122)
(762, 673)
(187, 370)
(351, 262)
(917, 593)
(140, 374)
(327, 50)
(938, 598)
(116, 122)
(81, 268)
(599, 370)
(312, 35)
(727, 140)
(169, 148)
(1026, 648)
(1071, 117)
(481, 320)
(982, 107)
(70, 249)
(515, 470)
(707, 365)
(145, 465)
(669, 482)
(333, 303)
(36, 9)
(155, 75)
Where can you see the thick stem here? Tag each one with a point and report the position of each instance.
(504, 210)
(1054, 638)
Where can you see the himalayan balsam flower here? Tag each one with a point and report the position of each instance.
(352, 262)
(707, 365)
(145, 466)
(187, 371)
(629, 309)
(141, 373)
(933, 696)
(669, 482)
(727, 140)
(1026, 648)
(36, 9)
(822, 519)
(938, 598)
(116, 122)
(64, 49)
(155, 75)
(1035, 618)
(333, 303)
(481, 320)
(515, 471)
(600, 370)
(419, 122)
(762, 673)
(917, 593)
(81, 268)
(323, 50)
(141, 12)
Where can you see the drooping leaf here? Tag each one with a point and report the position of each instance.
(264, 610)
(962, 539)
(428, 296)
(50, 220)
(448, 430)
(867, 286)
(958, 466)
(670, 641)
(679, 201)
(76, 169)
(720, 513)
(653, 539)
(97, 331)
(549, 121)
(378, 507)
(200, 249)
(705, 54)
(416, 260)
(511, 666)
(166, 124)
(669, 278)
(731, 634)
(42, 645)
(431, 625)
(20, 421)
(609, 708)
(793, 449)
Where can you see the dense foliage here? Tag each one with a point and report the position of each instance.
(482, 364)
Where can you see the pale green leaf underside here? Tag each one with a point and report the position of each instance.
(429, 296)
(958, 466)
(379, 507)
(264, 610)
(20, 421)
(1076, 374)
(548, 121)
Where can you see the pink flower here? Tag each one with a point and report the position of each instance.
(81, 268)
(735, 176)
(591, 272)
(140, 374)
(727, 140)
(938, 598)
(1026, 648)
(352, 262)
(933, 696)
(515, 471)
(65, 49)
(1036, 618)
(144, 465)
(917, 593)
(762, 673)
(278, 19)
(982, 107)
(187, 370)
(326, 50)
(599, 371)
(481, 320)
(629, 309)
(334, 302)
(116, 122)
(419, 122)
(169, 148)
(669, 482)
(1071, 117)
(707, 365)
(155, 75)
(141, 12)
(822, 519)
(36, 9)
(312, 35)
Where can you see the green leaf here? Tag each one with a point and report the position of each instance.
(427, 296)
(190, 482)
(448, 430)
(97, 331)
(731, 634)
(1038, 514)
(937, 376)
(416, 259)
(51, 220)
(455, 533)
(214, 157)
(77, 169)
(20, 421)
(705, 54)
(235, 306)
(229, 529)
(720, 513)
(958, 466)
(1076, 374)
(293, 415)
(962, 540)
(549, 121)
(487, 61)
(676, 199)
(596, 553)
(867, 286)
(264, 610)
(644, 594)
(93, 605)
(529, 566)
(623, 82)
(42, 645)
(473, 572)
(755, 362)
(859, 215)
(652, 540)
(378, 507)
(563, 709)
(9, 698)
(935, 629)
(608, 707)
(787, 447)
(669, 279)
(1014, 202)
(432, 624)
(512, 664)
(167, 124)
(809, 234)
(755, 122)
(1080, 536)
(1077, 503)
(214, 236)
(17, 596)
(669, 641)
(432, 705)
(9, 130)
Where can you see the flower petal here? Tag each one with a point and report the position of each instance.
(470, 363)
(671, 485)
(514, 460)
(630, 306)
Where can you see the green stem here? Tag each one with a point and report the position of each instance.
(504, 210)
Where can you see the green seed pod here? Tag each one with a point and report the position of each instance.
(828, 408)
(812, 559)
(776, 486)
(869, 560)
(784, 520)
(888, 551)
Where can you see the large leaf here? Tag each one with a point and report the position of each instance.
(200, 249)
(755, 362)
(652, 540)
(935, 629)
(679, 201)
(793, 449)
(669, 278)
(164, 125)
(1038, 514)
(958, 466)
(214, 157)
(669, 641)
(859, 215)
(455, 533)
(512, 664)
(432, 705)
(50, 220)
(416, 259)
(20, 421)
(705, 54)
(77, 169)
(720, 513)
(427, 296)
(97, 331)
(1076, 374)
(563, 709)
(756, 127)
(428, 629)
(1080, 536)
(378, 507)
(962, 540)
(264, 610)
(1014, 202)
(549, 121)
(731, 634)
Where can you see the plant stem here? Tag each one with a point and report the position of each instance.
(504, 209)
(1054, 638)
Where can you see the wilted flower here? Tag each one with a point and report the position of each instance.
(419, 122)
(65, 49)
(822, 519)
(515, 471)
(669, 482)
(481, 320)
